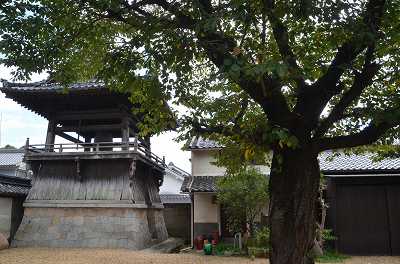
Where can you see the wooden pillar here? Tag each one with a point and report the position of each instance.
(147, 142)
(125, 133)
(103, 137)
(87, 140)
(51, 135)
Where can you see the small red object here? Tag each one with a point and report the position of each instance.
(215, 236)
(199, 242)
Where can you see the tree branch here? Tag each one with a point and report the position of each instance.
(183, 20)
(203, 128)
(314, 99)
(266, 91)
(367, 136)
(240, 114)
(281, 36)
(361, 81)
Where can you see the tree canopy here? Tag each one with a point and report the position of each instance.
(254, 72)
(296, 77)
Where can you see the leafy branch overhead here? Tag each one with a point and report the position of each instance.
(325, 72)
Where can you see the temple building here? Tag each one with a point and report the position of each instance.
(101, 187)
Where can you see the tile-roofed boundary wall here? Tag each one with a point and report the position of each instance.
(175, 198)
(199, 184)
(339, 162)
(202, 143)
(14, 186)
(11, 157)
(330, 162)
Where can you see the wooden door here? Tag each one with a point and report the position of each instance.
(362, 220)
(393, 198)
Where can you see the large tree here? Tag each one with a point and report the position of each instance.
(296, 77)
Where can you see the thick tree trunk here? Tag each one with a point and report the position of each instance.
(293, 190)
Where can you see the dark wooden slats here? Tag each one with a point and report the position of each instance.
(364, 213)
(393, 199)
(99, 180)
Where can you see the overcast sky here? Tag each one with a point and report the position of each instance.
(18, 123)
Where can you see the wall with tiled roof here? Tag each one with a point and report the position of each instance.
(11, 157)
(331, 163)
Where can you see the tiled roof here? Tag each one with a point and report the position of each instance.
(185, 184)
(176, 172)
(342, 163)
(175, 198)
(11, 157)
(48, 86)
(14, 186)
(199, 184)
(202, 143)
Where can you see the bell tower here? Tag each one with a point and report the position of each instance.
(98, 186)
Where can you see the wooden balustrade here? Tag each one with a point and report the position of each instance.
(95, 148)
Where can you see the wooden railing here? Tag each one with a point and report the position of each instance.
(95, 148)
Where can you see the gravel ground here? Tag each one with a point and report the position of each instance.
(117, 256)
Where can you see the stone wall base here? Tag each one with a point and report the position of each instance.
(91, 228)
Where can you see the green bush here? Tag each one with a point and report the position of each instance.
(331, 256)
(221, 248)
(327, 235)
(243, 195)
(257, 252)
(262, 237)
(258, 246)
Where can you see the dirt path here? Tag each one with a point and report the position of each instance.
(108, 256)
(114, 256)
(373, 260)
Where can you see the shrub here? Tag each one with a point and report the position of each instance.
(243, 195)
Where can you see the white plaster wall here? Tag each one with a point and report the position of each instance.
(205, 211)
(5, 215)
(202, 163)
(171, 185)
(263, 169)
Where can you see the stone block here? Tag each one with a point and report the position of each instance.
(87, 227)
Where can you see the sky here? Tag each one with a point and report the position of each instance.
(18, 124)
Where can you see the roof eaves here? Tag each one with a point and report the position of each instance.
(366, 171)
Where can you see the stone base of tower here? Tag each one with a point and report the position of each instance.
(91, 227)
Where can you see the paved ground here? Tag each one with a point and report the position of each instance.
(109, 256)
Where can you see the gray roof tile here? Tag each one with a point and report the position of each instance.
(340, 162)
(48, 86)
(12, 189)
(175, 198)
(14, 186)
(199, 184)
(11, 157)
(202, 143)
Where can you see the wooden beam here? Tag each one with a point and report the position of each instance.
(90, 128)
(90, 115)
(68, 137)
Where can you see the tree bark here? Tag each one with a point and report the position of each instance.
(294, 186)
